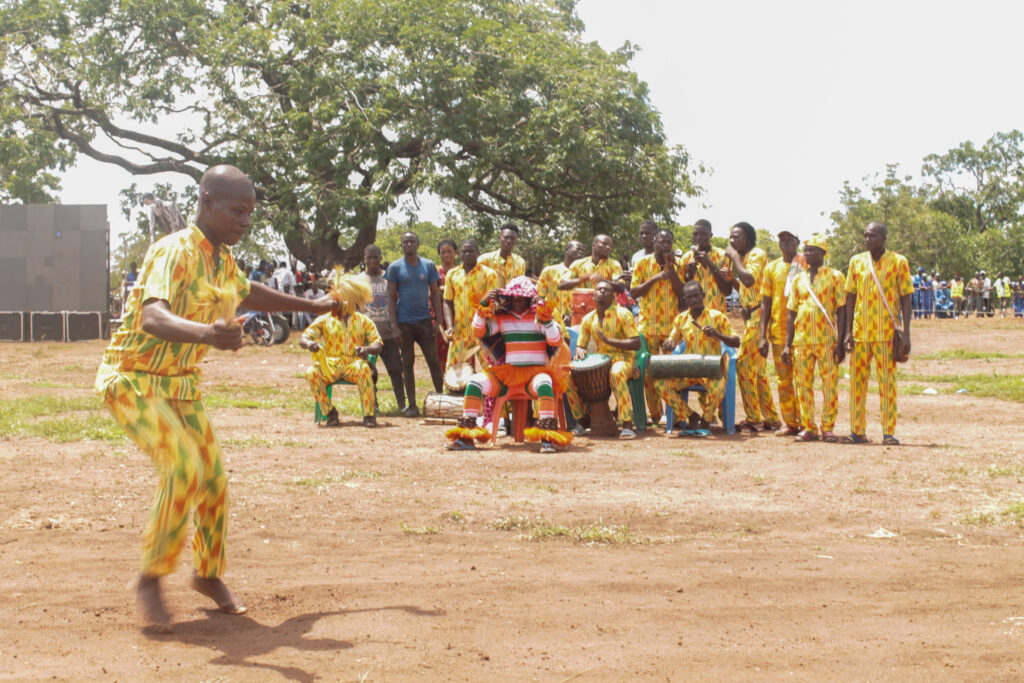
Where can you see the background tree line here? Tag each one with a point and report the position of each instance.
(964, 212)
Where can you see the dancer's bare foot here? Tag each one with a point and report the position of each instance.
(219, 593)
(151, 604)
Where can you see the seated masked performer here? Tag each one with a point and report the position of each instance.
(704, 330)
(522, 332)
(340, 342)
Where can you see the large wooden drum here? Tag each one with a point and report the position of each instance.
(688, 366)
(582, 303)
(593, 382)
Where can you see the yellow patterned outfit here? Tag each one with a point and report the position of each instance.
(658, 309)
(814, 341)
(751, 367)
(582, 268)
(561, 303)
(686, 329)
(151, 387)
(337, 358)
(547, 289)
(617, 324)
(872, 333)
(465, 290)
(506, 268)
(776, 284)
(713, 296)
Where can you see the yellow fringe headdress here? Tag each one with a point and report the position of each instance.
(352, 291)
(222, 300)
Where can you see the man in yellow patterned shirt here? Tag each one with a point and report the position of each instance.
(503, 262)
(709, 266)
(748, 264)
(589, 270)
(704, 330)
(871, 322)
(614, 333)
(817, 313)
(184, 302)
(464, 286)
(658, 288)
(776, 285)
(547, 284)
(340, 342)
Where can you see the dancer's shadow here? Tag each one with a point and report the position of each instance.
(240, 638)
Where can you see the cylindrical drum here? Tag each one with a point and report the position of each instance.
(443, 406)
(688, 365)
(592, 377)
(582, 303)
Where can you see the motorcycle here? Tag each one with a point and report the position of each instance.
(266, 328)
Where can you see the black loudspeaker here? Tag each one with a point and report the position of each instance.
(12, 326)
(83, 326)
(46, 326)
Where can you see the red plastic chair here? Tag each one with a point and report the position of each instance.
(520, 412)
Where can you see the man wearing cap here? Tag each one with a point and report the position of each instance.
(748, 265)
(709, 266)
(816, 314)
(776, 286)
(878, 299)
(527, 332)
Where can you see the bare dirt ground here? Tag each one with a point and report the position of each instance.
(377, 555)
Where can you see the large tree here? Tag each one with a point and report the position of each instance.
(338, 108)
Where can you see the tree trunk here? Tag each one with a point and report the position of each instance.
(319, 249)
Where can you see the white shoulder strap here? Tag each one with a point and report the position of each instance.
(881, 293)
(821, 307)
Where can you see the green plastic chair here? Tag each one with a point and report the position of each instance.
(319, 417)
(636, 388)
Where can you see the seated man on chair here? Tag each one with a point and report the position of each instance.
(614, 333)
(521, 327)
(340, 342)
(704, 330)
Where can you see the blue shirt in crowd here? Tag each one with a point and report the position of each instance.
(413, 288)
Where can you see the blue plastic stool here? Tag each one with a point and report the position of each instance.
(728, 408)
(319, 417)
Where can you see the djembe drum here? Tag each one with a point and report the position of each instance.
(593, 382)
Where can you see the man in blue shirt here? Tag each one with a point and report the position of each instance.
(412, 289)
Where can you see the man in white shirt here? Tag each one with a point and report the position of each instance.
(284, 278)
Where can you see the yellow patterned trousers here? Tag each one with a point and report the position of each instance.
(752, 376)
(654, 342)
(787, 392)
(620, 374)
(805, 358)
(710, 399)
(179, 439)
(358, 372)
(885, 369)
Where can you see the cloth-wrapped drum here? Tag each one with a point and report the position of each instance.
(443, 406)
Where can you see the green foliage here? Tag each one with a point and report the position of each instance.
(47, 417)
(966, 213)
(540, 529)
(339, 108)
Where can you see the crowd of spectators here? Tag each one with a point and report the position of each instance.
(957, 297)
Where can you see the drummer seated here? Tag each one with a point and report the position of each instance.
(703, 330)
(614, 333)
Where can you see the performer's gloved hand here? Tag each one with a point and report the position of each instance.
(543, 312)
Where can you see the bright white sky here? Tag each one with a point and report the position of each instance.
(785, 100)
